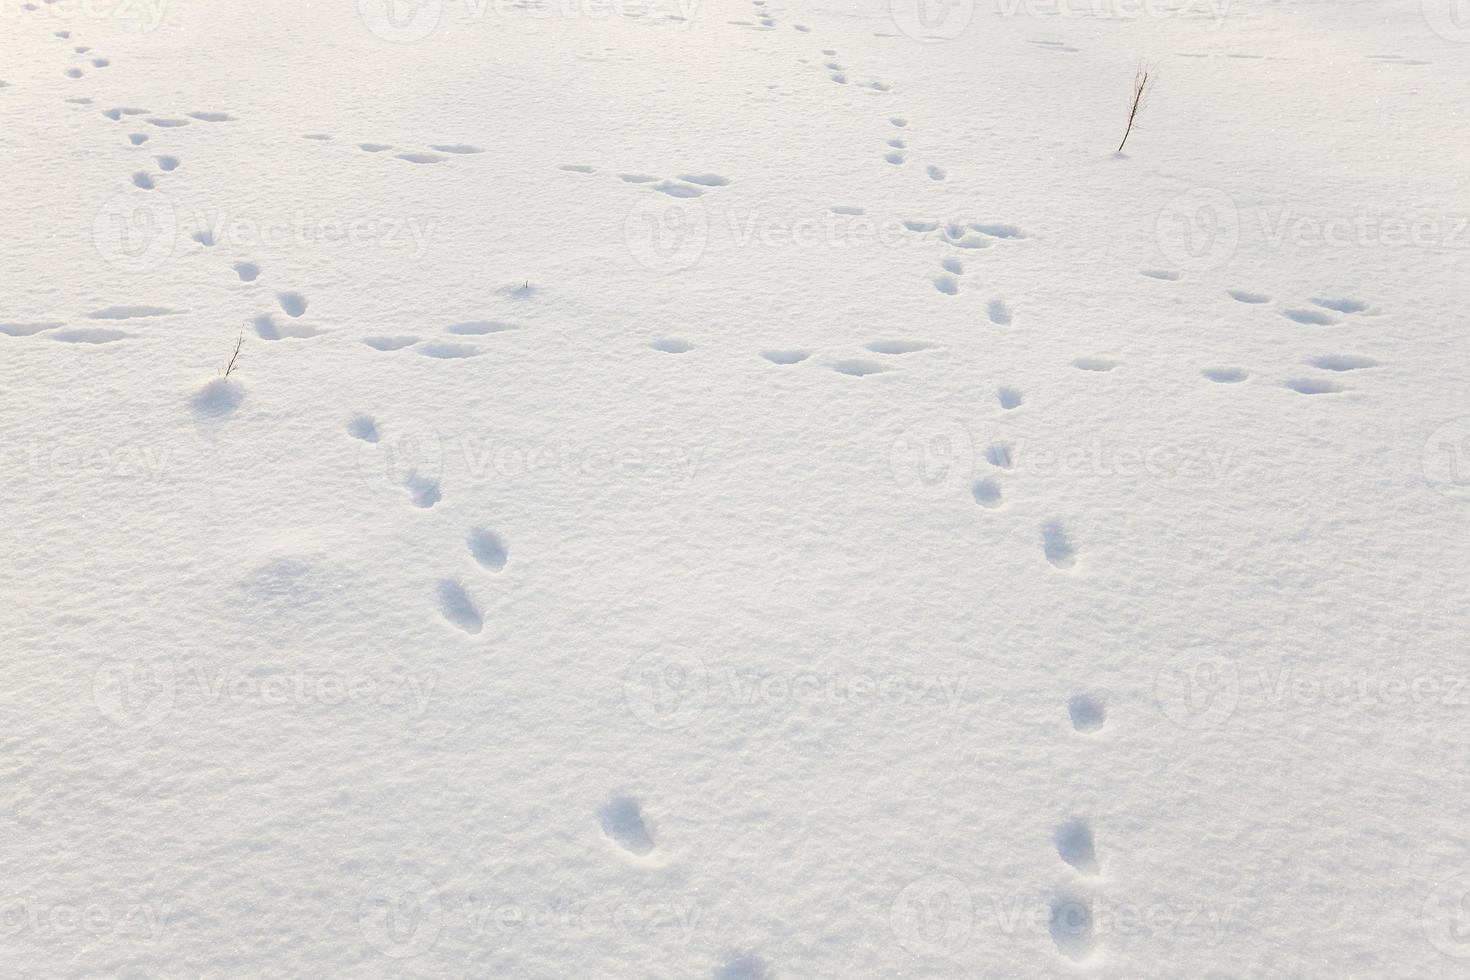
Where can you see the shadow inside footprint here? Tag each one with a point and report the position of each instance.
(458, 608)
(488, 549)
(1075, 846)
(622, 821)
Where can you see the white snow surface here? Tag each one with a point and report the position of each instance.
(734, 490)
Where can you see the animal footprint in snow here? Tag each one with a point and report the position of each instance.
(420, 157)
(1009, 398)
(488, 549)
(953, 266)
(622, 821)
(1098, 364)
(1243, 296)
(214, 117)
(1000, 455)
(672, 346)
(364, 428)
(26, 329)
(424, 491)
(476, 328)
(294, 304)
(459, 608)
(374, 147)
(1075, 846)
(576, 168)
(744, 968)
(900, 346)
(672, 189)
(1088, 714)
(999, 312)
(858, 368)
(1165, 274)
(1071, 927)
(935, 173)
(987, 493)
(1225, 376)
(247, 271)
(705, 180)
(390, 343)
(1342, 305)
(88, 335)
(143, 180)
(459, 149)
(1313, 318)
(1342, 362)
(1057, 546)
(786, 356)
(947, 284)
(449, 352)
(266, 328)
(1314, 386)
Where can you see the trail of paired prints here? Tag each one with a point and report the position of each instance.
(1317, 311)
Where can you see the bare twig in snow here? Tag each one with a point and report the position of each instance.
(236, 355)
(1140, 83)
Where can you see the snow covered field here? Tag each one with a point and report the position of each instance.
(736, 489)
